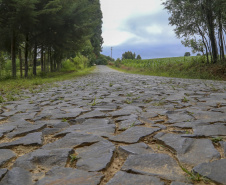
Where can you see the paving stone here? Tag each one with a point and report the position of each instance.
(44, 158)
(214, 171)
(160, 165)
(128, 123)
(127, 178)
(223, 145)
(5, 129)
(210, 130)
(5, 156)
(3, 171)
(180, 183)
(96, 157)
(17, 176)
(178, 116)
(100, 127)
(72, 140)
(70, 176)
(26, 129)
(134, 134)
(30, 139)
(135, 149)
(188, 150)
(93, 114)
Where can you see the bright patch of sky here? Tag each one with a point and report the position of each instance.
(136, 24)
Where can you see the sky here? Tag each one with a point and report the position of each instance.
(140, 26)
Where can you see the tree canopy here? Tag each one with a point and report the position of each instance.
(200, 22)
(51, 29)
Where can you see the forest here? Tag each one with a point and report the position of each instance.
(44, 32)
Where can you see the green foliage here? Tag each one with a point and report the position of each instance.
(57, 28)
(194, 176)
(139, 57)
(217, 139)
(128, 55)
(182, 67)
(187, 54)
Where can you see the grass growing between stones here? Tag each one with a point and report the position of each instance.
(11, 89)
(194, 177)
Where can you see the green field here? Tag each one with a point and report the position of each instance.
(194, 67)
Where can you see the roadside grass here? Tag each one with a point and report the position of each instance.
(11, 89)
(177, 67)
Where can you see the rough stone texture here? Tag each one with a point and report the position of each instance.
(134, 134)
(70, 176)
(45, 158)
(95, 157)
(101, 127)
(160, 165)
(3, 171)
(189, 151)
(17, 176)
(72, 140)
(5, 156)
(180, 183)
(5, 129)
(127, 178)
(108, 116)
(210, 130)
(26, 129)
(214, 170)
(223, 145)
(30, 139)
(135, 149)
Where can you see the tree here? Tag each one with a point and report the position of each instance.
(128, 55)
(138, 57)
(187, 54)
(204, 22)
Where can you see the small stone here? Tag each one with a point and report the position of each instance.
(134, 134)
(95, 157)
(127, 178)
(135, 149)
(30, 139)
(214, 171)
(3, 171)
(5, 156)
(70, 176)
(160, 165)
(17, 176)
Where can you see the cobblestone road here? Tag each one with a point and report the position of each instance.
(114, 128)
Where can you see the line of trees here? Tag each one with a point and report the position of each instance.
(202, 24)
(130, 55)
(50, 30)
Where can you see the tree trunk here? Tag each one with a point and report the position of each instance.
(26, 58)
(50, 60)
(13, 54)
(35, 60)
(21, 64)
(221, 41)
(211, 27)
(42, 63)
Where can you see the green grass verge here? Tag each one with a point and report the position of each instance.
(191, 70)
(10, 89)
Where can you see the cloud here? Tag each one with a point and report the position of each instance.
(139, 26)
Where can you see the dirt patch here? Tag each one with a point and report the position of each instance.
(115, 166)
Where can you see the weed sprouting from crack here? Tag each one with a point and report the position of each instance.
(194, 176)
(216, 139)
(73, 157)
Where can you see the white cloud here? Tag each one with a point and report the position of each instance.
(154, 29)
(116, 12)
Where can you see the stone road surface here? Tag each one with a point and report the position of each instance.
(116, 129)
